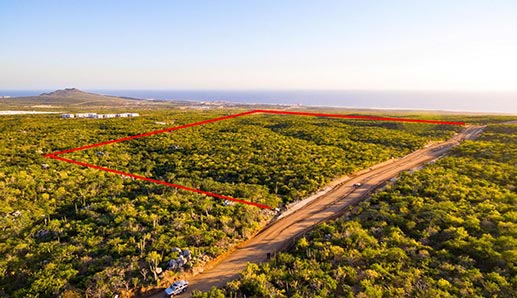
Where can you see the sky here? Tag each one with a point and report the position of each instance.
(339, 45)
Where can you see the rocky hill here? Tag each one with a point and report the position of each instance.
(72, 97)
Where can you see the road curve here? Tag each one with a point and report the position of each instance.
(280, 234)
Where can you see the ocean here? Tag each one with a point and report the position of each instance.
(482, 102)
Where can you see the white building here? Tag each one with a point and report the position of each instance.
(104, 116)
(99, 116)
(86, 115)
(128, 115)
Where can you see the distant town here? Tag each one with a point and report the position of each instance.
(99, 116)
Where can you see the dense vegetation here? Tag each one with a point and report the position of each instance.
(448, 230)
(76, 231)
(248, 157)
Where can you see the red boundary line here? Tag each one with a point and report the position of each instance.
(150, 133)
(55, 156)
(156, 181)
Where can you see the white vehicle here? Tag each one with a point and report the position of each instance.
(357, 184)
(176, 288)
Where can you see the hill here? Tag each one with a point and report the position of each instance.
(72, 97)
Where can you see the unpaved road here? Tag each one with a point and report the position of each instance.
(282, 233)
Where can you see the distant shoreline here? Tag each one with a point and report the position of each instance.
(504, 103)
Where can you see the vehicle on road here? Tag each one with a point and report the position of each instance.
(176, 288)
(357, 184)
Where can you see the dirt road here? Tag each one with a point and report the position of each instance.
(283, 232)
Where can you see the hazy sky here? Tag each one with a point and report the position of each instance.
(429, 45)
